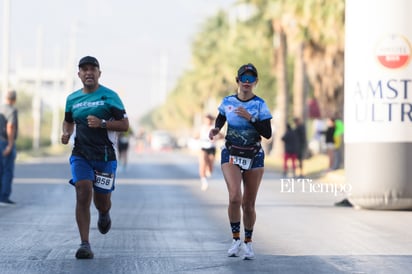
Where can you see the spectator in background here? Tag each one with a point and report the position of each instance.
(123, 141)
(141, 140)
(291, 149)
(300, 131)
(338, 151)
(330, 142)
(8, 134)
(318, 139)
(338, 141)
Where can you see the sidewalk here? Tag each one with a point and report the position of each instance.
(314, 168)
(334, 176)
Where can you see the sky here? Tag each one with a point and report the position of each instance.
(142, 46)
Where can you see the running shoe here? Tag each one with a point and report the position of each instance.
(344, 203)
(205, 184)
(84, 251)
(235, 249)
(208, 174)
(7, 202)
(249, 253)
(104, 223)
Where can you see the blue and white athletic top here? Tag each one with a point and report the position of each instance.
(239, 130)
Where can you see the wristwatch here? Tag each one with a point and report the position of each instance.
(103, 124)
(253, 119)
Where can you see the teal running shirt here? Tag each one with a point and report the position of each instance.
(239, 130)
(94, 143)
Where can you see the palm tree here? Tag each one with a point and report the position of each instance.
(282, 99)
(271, 11)
(324, 51)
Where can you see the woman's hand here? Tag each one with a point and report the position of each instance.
(213, 132)
(241, 111)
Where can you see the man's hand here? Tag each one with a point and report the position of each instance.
(65, 138)
(93, 121)
(7, 150)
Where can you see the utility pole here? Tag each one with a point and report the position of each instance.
(37, 100)
(55, 128)
(69, 71)
(6, 44)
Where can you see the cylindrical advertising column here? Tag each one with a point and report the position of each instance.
(378, 103)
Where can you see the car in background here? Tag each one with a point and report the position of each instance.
(162, 140)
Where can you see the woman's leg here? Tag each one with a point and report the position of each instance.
(202, 164)
(210, 164)
(251, 183)
(233, 178)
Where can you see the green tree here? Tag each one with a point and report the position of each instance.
(296, 45)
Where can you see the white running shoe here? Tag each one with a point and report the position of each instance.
(205, 184)
(249, 253)
(208, 173)
(235, 249)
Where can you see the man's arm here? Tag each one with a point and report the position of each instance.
(11, 133)
(68, 129)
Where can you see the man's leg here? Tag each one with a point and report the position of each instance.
(103, 204)
(8, 163)
(84, 192)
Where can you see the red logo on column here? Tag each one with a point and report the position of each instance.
(393, 51)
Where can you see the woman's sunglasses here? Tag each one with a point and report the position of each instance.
(247, 78)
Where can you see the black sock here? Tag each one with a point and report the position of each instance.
(235, 230)
(248, 235)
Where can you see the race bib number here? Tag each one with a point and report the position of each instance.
(244, 163)
(103, 180)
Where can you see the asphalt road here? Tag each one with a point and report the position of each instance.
(164, 223)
